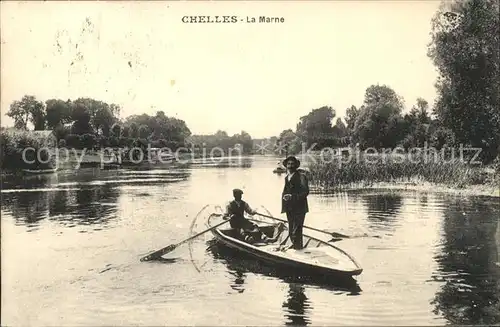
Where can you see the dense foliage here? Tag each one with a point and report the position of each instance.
(14, 142)
(465, 39)
(242, 141)
(89, 123)
(464, 48)
(335, 174)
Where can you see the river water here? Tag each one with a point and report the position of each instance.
(71, 244)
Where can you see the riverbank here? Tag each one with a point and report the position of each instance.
(453, 176)
(414, 184)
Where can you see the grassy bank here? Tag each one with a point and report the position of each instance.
(390, 173)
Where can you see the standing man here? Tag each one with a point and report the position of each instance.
(294, 200)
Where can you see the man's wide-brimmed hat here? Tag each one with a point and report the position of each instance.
(293, 159)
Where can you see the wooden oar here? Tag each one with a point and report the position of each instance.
(157, 254)
(332, 234)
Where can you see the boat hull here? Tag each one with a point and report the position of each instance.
(39, 171)
(299, 267)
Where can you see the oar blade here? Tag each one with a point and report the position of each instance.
(159, 253)
(338, 235)
(170, 248)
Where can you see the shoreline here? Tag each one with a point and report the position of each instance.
(421, 186)
(412, 185)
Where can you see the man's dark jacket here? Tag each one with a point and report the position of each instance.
(299, 189)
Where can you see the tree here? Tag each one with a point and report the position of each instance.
(442, 137)
(172, 129)
(102, 115)
(103, 119)
(29, 109)
(379, 123)
(287, 137)
(126, 131)
(464, 48)
(133, 130)
(417, 125)
(38, 116)
(57, 112)
(143, 131)
(339, 132)
(289, 142)
(421, 111)
(316, 127)
(384, 97)
(116, 130)
(244, 139)
(351, 115)
(81, 117)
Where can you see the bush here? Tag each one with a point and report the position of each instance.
(61, 132)
(102, 141)
(88, 141)
(126, 142)
(113, 142)
(73, 141)
(14, 144)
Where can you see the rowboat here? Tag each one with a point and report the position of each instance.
(241, 263)
(40, 171)
(158, 155)
(108, 166)
(279, 170)
(316, 258)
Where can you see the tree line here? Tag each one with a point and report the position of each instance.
(89, 123)
(464, 49)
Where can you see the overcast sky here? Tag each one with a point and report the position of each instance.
(255, 77)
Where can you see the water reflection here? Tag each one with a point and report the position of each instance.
(295, 305)
(467, 260)
(26, 207)
(239, 280)
(423, 200)
(239, 261)
(95, 205)
(81, 197)
(29, 182)
(59, 203)
(83, 206)
(383, 210)
(223, 162)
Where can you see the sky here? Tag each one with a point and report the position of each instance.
(260, 78)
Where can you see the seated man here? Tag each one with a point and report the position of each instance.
(247, 230)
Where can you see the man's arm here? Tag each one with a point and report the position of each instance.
(228, 211)
(249, 210)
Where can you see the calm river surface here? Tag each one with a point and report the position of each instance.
(71, 244)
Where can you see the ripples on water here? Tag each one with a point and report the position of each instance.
(72, 243)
